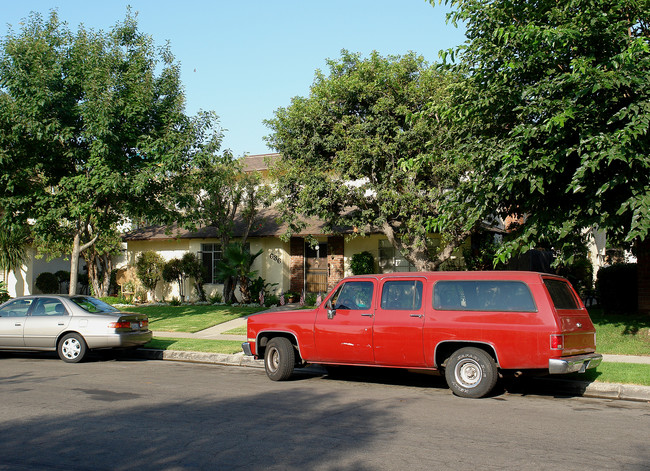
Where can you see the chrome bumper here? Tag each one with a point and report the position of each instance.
(246, 347)
(576, 364)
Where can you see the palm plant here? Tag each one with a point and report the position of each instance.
(12, 249)
(236, 264)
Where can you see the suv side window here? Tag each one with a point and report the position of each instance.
(355, 295)
(560, 294)
(507, 296)
(402, 295)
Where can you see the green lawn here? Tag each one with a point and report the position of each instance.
(191, 318)
(621, 334)
(626, 373)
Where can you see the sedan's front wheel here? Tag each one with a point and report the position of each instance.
(72, 348)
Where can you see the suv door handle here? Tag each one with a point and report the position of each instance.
(367, 315)
(417, 315)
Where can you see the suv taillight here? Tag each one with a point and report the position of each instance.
(557, 342)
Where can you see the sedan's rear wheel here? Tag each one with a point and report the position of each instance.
(279, 359)
(72, 348)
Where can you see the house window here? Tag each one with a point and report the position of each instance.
(391, 260)
(210, 254)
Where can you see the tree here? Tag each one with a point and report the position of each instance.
(91, 130)
(172, 271)
(194, 269)
(149, 266)
(217, 193)
(556, 112)
(352, 155)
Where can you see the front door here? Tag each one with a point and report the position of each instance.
(316, 267)
(45, 322)
(345, 335)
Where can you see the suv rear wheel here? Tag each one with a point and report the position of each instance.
(471, 372)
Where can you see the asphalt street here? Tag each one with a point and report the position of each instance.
(129, 414)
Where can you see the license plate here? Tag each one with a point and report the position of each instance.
(135, 326)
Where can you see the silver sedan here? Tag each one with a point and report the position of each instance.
(71, 325)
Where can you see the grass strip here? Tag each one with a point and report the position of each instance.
(236, 331)
(624, 373)
(621, 334)
(195, 345)
(191, 318)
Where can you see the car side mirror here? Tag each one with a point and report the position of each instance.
(331, 312)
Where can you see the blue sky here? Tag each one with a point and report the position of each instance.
(244, 59)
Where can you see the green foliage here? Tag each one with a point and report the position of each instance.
(353, 154)
(92, 130)
(149, 266)
(12, 246)
(47, 283)
(175, 301)
(616, 288)
(194, 269)
(216, 298)
(257, 285)
(172, 271)
(555, 111)
(362, 263)
(4, 294)
(236, 263)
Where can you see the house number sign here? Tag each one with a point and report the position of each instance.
(275, 258)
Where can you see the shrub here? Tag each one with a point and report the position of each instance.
(175, 301)
(149, 267)
(362, 263)
(271, 300)
(616, 288)
(216, 298)
(47, 283)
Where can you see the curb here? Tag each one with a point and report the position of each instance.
(199, 357)
(615, 391)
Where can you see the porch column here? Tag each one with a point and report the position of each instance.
(335, 260)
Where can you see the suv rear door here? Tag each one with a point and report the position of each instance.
(579, 333)
(399, 320)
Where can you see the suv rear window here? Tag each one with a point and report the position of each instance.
(508, 296)
(560, 294)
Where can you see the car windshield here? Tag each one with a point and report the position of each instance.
(93, 305)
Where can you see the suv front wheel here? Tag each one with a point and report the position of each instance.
(279, 359)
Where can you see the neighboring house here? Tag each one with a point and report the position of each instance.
(288, 264)
(293, 265)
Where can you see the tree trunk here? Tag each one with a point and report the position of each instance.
(77, 249)
(418, 252)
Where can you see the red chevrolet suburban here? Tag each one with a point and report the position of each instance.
(470, 325)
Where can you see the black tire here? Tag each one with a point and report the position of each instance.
(72, 348)
(279, 359)
(471, 372)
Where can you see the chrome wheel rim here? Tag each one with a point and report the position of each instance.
(274, 359)
(71, 348)
(468, 373)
